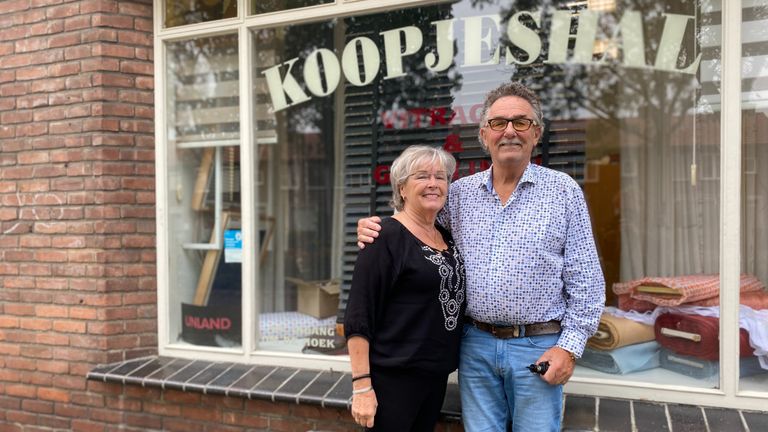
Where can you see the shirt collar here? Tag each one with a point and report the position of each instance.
(530, 175)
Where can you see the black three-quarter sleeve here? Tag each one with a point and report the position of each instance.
(375, 272)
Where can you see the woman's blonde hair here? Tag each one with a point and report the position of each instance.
(409, 159)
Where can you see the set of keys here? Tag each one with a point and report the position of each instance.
(540, 368)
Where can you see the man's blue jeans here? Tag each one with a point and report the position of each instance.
(497, 388)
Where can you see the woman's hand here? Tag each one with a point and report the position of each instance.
(364, 408)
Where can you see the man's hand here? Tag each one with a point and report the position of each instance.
(367, 230)
(364, 408)
(560, 365)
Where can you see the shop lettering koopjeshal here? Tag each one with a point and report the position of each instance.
(286, 91)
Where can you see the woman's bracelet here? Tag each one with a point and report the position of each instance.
(362, 390)
(359, 377)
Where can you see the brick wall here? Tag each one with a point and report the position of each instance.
(77, 255)
(77, 229)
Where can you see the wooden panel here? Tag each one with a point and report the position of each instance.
(210, 263)
(203, 179)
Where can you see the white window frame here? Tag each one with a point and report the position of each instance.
(727, 395)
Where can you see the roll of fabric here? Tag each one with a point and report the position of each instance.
(757, 300)
(615, 332)
(627, 303)
(691, 291)
(700, 368)
(694, 335)
(678, 290)
(624, 360)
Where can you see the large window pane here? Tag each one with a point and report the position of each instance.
(753, 315)
(651, 178)
(632, 114)
(631, 97)
(296, 150)
(203, 179)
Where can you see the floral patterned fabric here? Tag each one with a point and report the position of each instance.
(698, 290)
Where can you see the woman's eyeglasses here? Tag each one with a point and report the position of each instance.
(422, 176)
(498, 124)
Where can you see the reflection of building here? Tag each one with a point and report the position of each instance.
(97, 258)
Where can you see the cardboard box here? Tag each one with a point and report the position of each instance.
(319, 299)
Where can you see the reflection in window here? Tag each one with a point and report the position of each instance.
(660, 244)
(184, 12)
(652, 183)
(753, 314)
(204, 191)
(264, 6)
(642, 140)
(296, 172)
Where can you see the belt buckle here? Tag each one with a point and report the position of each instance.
(515, 332)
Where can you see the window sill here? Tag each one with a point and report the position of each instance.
(278, 384)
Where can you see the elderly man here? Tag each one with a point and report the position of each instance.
(535, 290)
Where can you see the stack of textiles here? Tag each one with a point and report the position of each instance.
(615, 332)
(685, 314)
(621, 346)
(695, 335)
(691, 346)
(702, 369)
(695, 290)
(624, 360)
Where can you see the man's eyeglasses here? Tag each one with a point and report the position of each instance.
(422, 176)
(498, 124)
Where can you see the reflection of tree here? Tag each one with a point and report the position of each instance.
(420, 87)
(644, 118)
(609, 90)
(300, 41)
(303, 157)
(188, 12)
(265, 6)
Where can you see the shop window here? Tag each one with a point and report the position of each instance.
(630, 94)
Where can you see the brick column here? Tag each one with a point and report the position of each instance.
(77, 227)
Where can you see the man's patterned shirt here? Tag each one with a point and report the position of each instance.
(531, 259)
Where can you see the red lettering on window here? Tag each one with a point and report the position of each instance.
(453, 144)
(381, 174)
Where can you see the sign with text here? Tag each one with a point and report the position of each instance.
(361, 60)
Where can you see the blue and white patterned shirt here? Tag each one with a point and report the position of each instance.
(531, 259)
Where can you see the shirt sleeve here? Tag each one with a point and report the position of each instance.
(373, 276)
(582, 276)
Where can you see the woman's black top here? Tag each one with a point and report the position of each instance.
(407, 299)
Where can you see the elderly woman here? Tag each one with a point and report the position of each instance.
(404, 316)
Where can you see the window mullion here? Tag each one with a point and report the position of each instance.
(249, 230)
(730, 193)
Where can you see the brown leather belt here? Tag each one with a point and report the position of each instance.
(516, 331)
